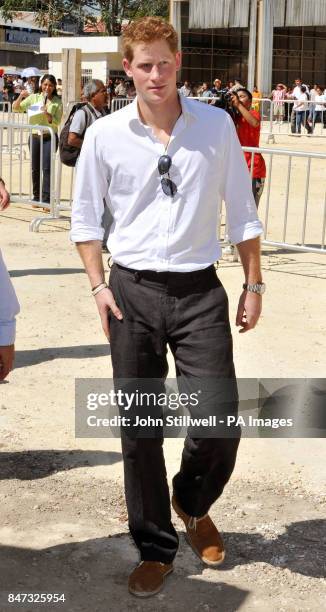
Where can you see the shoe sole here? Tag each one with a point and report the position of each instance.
(205, 561)
(151, 593)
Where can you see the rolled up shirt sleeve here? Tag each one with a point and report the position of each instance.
(241, 211)
(91, 187)
(9, 307)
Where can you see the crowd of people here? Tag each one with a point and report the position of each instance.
(11, 86)
(300, 104)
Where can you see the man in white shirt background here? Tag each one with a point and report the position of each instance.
(296, 93)
(172, 164)
(9, 306)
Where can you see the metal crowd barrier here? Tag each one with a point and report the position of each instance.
(292, 222)
(293, 206)
(15, 166)
(119, 103)
(276, 123)
(293, 203)
(5, 110)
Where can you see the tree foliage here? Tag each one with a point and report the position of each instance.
(51, 13)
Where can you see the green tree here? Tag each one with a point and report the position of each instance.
(114, 12)
(50, 13)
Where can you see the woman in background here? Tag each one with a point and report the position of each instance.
(44, 108)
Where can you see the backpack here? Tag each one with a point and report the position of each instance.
(68, 153)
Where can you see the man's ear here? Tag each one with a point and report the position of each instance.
(126, 67)
(178, 60)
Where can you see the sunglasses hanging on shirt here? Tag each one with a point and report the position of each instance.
(168, 186)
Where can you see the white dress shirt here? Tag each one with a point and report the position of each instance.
(9, 307)
(150, 230)
(320, 103)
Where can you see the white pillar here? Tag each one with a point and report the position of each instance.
(175, 17)
(265, 46)
(252, 45)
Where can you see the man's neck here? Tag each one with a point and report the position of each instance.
(160, 117)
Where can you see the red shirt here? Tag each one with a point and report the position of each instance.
(249, 137)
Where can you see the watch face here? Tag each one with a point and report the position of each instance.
(262, 288)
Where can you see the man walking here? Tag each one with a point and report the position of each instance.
(172, 163)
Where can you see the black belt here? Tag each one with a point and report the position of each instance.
(167, 277)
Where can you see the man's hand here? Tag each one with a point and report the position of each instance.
(106, 303)
(4, 197)
(249, 309)
(7, 354)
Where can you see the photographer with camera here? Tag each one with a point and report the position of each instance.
(247, 121)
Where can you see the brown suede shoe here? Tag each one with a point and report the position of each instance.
(202, 536)
(147, 579)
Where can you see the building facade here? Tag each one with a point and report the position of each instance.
(260, 42)
(100, 55)
(20, 41)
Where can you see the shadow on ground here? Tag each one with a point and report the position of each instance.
(93, 576)
(30, 465)
(34, 357)
(45, 272)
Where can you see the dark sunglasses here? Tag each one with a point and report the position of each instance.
(168, 186)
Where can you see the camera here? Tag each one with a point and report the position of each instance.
(223, 99)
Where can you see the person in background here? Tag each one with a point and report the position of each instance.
(217, 87)
(278, 97)
(18, 86)
(131, 92)
(2, 84)
(32, 85)
(204, 91)
(9, 88)
(247, 122)
(301, 111)
(59, 88)
(296, 92)
(319, 110)
(257, 96)
(47, 111)
(121, 90)
(9, 306)
(185, 90)
(95, 93)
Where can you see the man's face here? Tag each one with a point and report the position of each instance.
(100, 98)
(153, 70)
(217, 83)
(297, 82)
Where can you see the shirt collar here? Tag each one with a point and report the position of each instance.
(187, 110)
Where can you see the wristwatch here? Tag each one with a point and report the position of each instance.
(259, 288)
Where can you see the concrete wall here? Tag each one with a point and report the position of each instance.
(99, 63)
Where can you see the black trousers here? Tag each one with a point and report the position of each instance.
(188, 312)
(35, 147)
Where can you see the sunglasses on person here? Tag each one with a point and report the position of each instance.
(168, 186)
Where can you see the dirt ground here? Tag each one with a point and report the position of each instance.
(63, 518)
